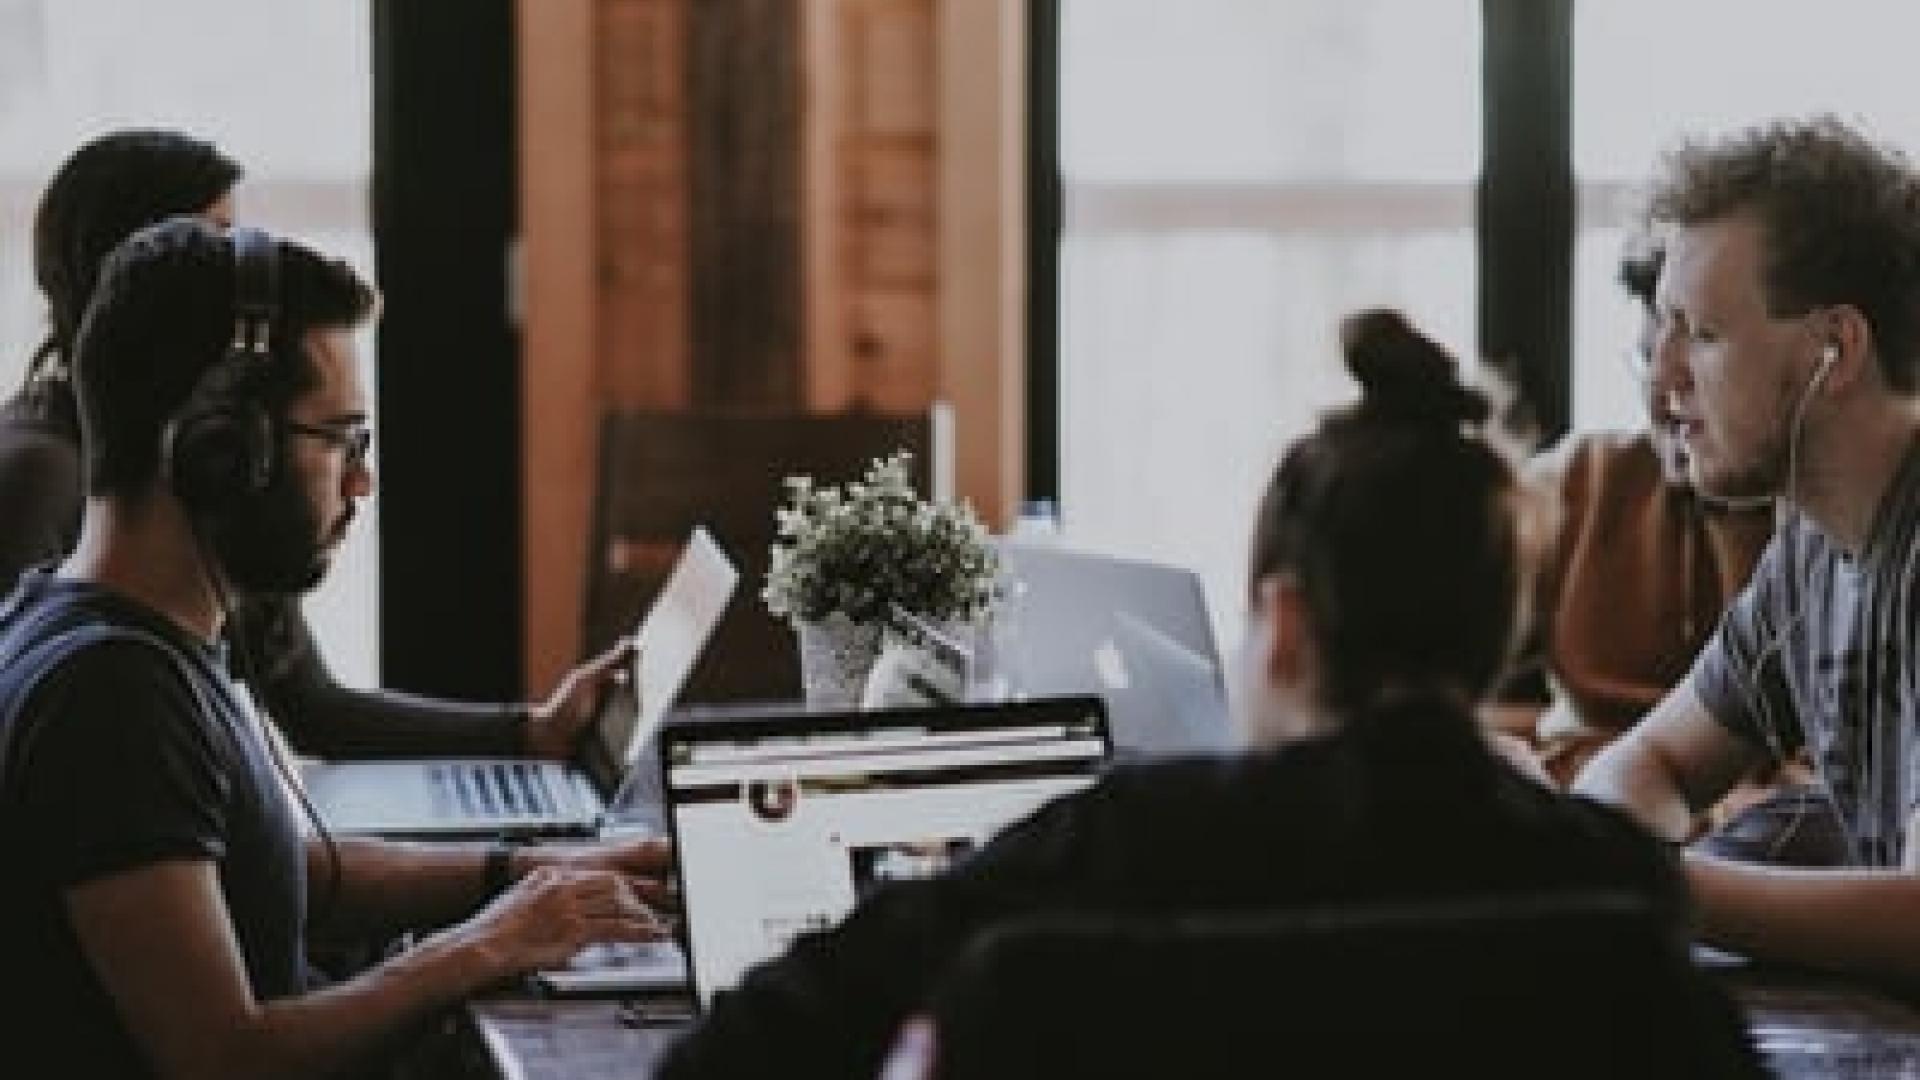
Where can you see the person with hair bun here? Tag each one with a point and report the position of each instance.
(1390, 557)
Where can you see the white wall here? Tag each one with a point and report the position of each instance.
(283, 86)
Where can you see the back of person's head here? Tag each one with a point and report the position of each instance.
(163, 315)
(109, 188)
(1840, 215)
(1400, 518)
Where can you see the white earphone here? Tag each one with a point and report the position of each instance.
(1828, 354)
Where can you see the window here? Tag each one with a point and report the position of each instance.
(284, 89)
(1238, 175)
(1647, 72)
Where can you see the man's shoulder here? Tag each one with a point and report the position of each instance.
(48, 633)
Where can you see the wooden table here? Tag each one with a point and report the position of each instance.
(1807, 1026)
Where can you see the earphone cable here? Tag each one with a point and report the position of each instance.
(248, 676)
(1771, 647)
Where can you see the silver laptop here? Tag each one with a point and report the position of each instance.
(783, 821)
(467, 796)
(1136, 633)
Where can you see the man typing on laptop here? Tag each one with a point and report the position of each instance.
(160, 881)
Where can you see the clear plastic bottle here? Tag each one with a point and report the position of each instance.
(1038, 523)
(998, 656)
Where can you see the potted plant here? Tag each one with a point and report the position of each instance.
(844, 555)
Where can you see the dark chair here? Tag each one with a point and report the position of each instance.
(663, 473)
(1588, 986)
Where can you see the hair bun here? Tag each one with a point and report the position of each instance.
(1404, 375)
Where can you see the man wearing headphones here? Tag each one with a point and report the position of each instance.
(160, 883)
(1789, 357)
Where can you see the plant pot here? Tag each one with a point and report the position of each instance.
(836, 654)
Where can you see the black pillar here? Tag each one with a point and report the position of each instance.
(448, 381)
(1045, 214)
(1526, 203)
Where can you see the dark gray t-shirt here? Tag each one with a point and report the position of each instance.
(123, 743)
(1819, 651)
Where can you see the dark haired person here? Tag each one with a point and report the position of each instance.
(1368, 778)
(107, 189)
(1789, 359)
(160, 884)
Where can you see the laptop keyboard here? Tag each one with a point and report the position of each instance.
(627, 954)
(495, 789)
(620, 968)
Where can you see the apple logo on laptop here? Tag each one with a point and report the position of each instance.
(1111, 666)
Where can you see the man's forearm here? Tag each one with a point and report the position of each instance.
(1635, 778)
(1858, 921)
(389, 886)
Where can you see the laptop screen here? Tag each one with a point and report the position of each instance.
(783, 825)
(668, 643)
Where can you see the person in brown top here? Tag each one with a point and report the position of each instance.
(1635, 581)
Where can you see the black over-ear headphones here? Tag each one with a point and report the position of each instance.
(220, 445)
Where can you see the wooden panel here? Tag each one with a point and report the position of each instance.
(889, 200)
(981, 276)
(704, 230)
(557, 321)
(641, 157)
(827, 376)
(871, 63)
(894, 349)
(559, 313)
(744, 169)
(891, 88)
(603, 268)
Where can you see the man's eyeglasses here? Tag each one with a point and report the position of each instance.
(353, 440)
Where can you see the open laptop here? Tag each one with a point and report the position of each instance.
(783, 821)
(1136, 633)
(470, 797)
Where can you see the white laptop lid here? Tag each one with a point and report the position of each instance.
(669, 640)
(782, 823)
(1179, 690)
(1136, 633)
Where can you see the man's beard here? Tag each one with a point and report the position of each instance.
(1765, 476)
(272, 544)
(1767, 472)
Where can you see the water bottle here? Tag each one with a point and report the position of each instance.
(1038, 523)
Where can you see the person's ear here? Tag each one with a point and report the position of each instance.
(1845, 349)
(1283, 604)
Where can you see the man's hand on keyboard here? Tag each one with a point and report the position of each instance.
(550, 914)
(645, 861)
